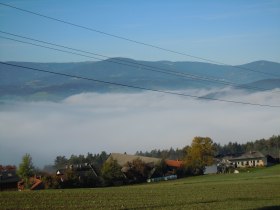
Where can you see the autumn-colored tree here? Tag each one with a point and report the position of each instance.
(199, 155)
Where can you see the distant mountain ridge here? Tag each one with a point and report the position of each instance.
(19, 82)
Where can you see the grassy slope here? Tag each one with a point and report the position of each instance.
(255, 190)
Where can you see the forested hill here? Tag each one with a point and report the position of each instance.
(16, 81)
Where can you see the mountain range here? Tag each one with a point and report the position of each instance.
(20, 82)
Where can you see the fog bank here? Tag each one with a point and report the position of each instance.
(126, 122)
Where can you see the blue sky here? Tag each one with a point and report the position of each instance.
(233, 32)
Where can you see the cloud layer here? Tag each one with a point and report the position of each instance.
(123, 122)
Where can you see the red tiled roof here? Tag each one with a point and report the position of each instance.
(36, 184)
(174, 163)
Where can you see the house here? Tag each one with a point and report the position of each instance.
(271, 160)
(248, 159)
(173, 166)
(8, 178)
(79, 170)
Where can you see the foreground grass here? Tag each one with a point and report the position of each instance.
(259, 189)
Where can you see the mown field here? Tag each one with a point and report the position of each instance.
(258, 189)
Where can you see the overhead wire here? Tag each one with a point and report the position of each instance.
(138, 87)
(134, 41)
(138, 43)
(135, 64)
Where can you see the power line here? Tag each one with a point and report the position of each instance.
(169, 73)
(134, 41)
(138, 87)
(150, 68)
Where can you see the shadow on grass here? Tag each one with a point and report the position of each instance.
(171, 206)
(269, 208)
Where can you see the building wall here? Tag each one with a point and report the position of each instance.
(211, 169)
(250, 162)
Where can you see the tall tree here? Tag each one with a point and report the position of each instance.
(199, 155)
(26, 169)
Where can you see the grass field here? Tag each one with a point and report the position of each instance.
(259, 189)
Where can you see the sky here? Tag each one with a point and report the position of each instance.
(233, 32)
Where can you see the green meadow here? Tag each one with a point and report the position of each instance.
(254, 189)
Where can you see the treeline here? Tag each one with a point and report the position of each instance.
(269, 146)
(94, 159)
(172, 154)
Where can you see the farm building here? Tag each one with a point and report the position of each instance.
(248, 159)
(174, 164)
(81, 171)
(174, 167)
(123, 159)
(213, 169)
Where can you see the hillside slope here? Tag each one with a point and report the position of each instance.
(22, 82)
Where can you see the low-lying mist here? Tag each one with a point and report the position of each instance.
(127, 122)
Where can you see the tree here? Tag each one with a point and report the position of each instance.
(199, 155)
(26, 169)
(60, 162)
(111, 172)
(160, 169)
(137, 170)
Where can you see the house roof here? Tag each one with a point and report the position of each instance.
(122, 159)
(249, 155)
(36, 185)
(174, 163)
